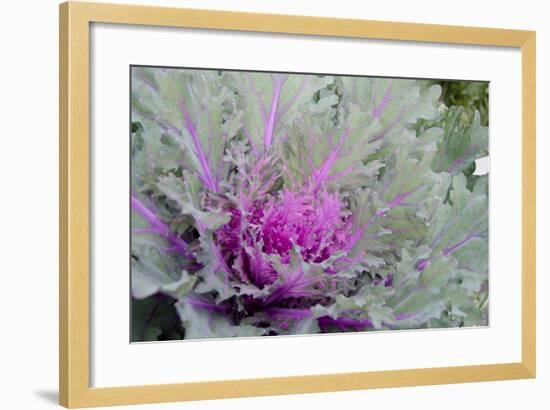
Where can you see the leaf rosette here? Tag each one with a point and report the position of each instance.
(272, 204)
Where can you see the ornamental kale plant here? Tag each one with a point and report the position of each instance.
(280, 204)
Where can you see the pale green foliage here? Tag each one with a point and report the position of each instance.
(271, 102)
(152, 269)
(461, 145)
(185, 193)
(200, 324)
(330, 151)
(393, 105)
(454, 251)
(148, 278)
(195, 108)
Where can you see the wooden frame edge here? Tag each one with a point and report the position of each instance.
(74, 349)
(74, 205)
(63, 206)
(180, 392)
(528, 297)
(291, 24)
(228, 389)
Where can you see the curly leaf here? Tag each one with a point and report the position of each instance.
(461, 145)
(196, 109)
(200, 323)
(271, 102)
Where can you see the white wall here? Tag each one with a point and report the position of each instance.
(28, 203)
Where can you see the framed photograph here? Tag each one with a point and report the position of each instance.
(256, 204)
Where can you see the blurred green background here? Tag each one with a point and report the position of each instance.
(470, 95)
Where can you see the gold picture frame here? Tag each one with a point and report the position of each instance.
(75, 19)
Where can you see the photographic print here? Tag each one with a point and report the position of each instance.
(270, 203)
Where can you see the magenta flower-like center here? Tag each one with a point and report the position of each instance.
(315, 223)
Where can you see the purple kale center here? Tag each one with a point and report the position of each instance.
(317, 223)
